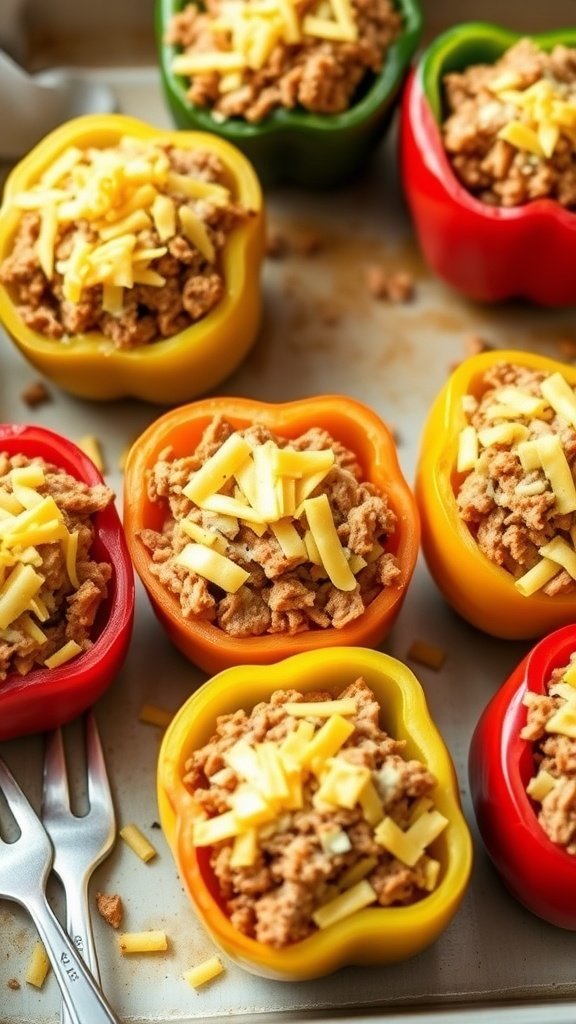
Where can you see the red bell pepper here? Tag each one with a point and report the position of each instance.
(540, 874)
(45, 698)
(486, 253)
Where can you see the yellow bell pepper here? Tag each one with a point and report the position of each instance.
(481, 592)
(167, 371)
(375, 935)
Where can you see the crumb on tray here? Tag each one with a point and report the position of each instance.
(396, 286)
(109, 907)
(35, 394)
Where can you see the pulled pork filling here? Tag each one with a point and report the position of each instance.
(251, 578)
(514, 487)
(57, 619)
(550, 727)
(509, 129)
(126, 241)
(309, 60)
(357, 822)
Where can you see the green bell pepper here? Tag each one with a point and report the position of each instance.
(295, 146)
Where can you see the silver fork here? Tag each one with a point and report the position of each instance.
(25, 864)
(80, 843)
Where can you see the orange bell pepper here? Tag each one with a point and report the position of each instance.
(481, 592)
(376, 935)
(170, 370)
(359, 429)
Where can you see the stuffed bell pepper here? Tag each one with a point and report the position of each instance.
(496, 493)
(487, 149)
(66, 582)
(305, 94)
(312, 809)
(261, 530)
(130, 259)
(523, 780)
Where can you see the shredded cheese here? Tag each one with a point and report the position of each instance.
(271, 493)
(120, 192)
(204, 972)
(542, 116)
(252, 29)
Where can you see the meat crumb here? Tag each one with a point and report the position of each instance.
(110, 908)
(475, 344)
(36, 394)
(395, 286)
(276, 245)
(14, 984)
(567, 348)
(308, 243)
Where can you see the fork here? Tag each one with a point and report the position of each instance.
(25, 865)
(80, 843)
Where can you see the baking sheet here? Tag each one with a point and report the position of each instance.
(322, 332)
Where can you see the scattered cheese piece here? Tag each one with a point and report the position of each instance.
(502, 433)
(540, 785)
(561, 397)
(427, 654)
(342, 783)
(196, 232)
(558, 472)
(153, 941)
(150, 714)
(357, 872)
(90, 445)
(65, 653)
(522, 137)
(323, 530)
(204, 972)
(138, 842)
(327, 741)
(216, 568)
(536, 577)
(558, 550)
(531, 406)
(346, 903)
(321, 708)
(218, 469)
(409, 846)
(563, 720)
(467, 449)
(16, 592)
(38, 966)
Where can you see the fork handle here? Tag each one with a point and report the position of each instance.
(79, 928)
(82, 997)
(78, 922)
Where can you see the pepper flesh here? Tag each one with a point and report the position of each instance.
(174, 369)
(539, 874)
(486, 253)
(370, 936)
(480, 591)
(45, 698)
(296, 146)
(346, 420)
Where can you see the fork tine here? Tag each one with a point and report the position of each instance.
(56, 794)
(99, 792)
(23, 812)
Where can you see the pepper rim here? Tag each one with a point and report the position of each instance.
(283, 122)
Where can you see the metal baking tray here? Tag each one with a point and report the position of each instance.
(322, 333)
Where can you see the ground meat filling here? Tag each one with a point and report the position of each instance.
(310, 854)
(317, 74)
(164, 274)
(549, 727)
(506, 166)
(281, 593)
(63, 612)
(505, 497)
